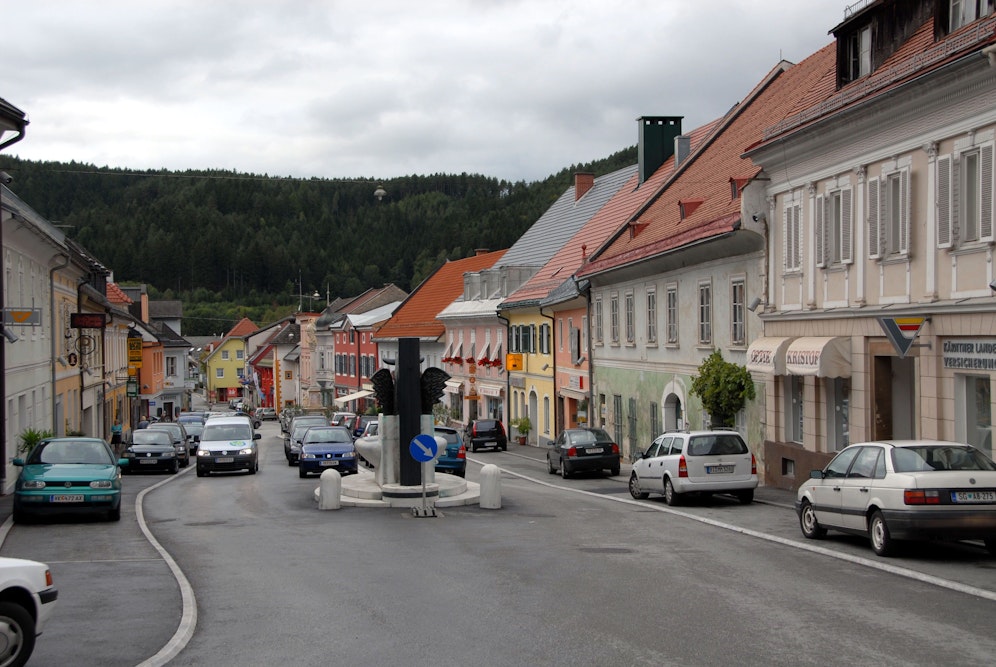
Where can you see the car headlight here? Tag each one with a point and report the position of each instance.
(203, 452)
(100, 484)
(350, 454)
(305, 455)
(33, 484)
(246, 452)
(169, 455)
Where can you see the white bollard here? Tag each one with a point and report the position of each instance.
(329, 490)
(490, 487)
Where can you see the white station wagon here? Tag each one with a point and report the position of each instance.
(902, 489)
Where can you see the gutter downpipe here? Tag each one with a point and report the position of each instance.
(553, 356)
(51, 298)
(3, 344)
(507, 409)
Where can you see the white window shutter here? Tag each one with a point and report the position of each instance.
(787, 237)
(821, 240)
(944, 202)
(874, 242)
(986, 188)
(904, 212)
(797, 236)
(846, 255)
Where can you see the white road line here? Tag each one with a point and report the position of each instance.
(857, 560)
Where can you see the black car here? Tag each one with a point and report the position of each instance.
(292, 439)
(181, 439)
(151, 450)
(487, 433)
(583, 450)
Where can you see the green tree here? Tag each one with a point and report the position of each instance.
(724, 388)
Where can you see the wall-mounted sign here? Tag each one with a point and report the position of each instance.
(87, 320)
(22, 316)
(902, 331)
(134, 350)
(513, 361)
(970, 354)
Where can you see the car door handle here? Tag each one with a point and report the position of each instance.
(836, 488)
(864, 489)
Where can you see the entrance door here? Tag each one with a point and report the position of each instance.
(895, 398)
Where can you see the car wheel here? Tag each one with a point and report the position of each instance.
(17, 634)
(175, 469)
(670, 497)
(462, 473)
(290, 461)
(811, 528)
(473, 446)
(564, 472)
(878, 531)
(634, 488)
(20, 516)
(614, 472)
(112, 515)
(549, 466)
(991, 545)
(302, 473)
(201, 473)
(746, 497)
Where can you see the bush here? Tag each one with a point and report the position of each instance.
(29, 438)
(724, 388)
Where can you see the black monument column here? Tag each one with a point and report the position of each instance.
(409, 405)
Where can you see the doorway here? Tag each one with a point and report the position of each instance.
(894, 392)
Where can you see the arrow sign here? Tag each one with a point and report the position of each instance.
(423, 448)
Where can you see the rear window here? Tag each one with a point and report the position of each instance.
(947, 457)
(450, 436)
(214, 432)
(716, 445)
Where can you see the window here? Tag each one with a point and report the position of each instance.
(858, 54)
(352, 364)
(964, 12)
(792, 237)
(705, 313)
(965, 194)
(889, 214)
(795, 413)
(544, 341)
(240, 354)
(598, 320)
(738, 313)
(614, 318)
(833, 228)
(219, 373)
(651, 316)
(561, 323)
(170, 365)
(240, 372)
(672, 314)
(584, 333)
(631, 421)
(655, 421)
(617, 417)
(630, 319)
(224, 355)
(840, 398)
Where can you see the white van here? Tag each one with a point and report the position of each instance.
(228, 444)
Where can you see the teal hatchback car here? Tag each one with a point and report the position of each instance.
(68, 476)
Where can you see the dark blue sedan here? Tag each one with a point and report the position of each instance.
(327, 447)
(453, 459)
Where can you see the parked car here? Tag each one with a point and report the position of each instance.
(902, 490)
(292, 439)
(453, 457)
(181, 439)
(371, 434)
(679, 463)
(266, 414)
(27, 600)
(487, 433)
(152, 450)
(68, 475)
(341, 418)
(327, 447)
(194, 426)
(582, 450)
(227, 444)
(358, 423)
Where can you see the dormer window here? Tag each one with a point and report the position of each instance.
(858, 63)
(964, 12)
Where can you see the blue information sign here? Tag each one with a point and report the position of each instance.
(423, 448)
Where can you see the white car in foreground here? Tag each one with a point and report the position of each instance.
(902, 490)
(27, 599)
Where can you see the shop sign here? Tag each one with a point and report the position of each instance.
(970, 354)
(902, 331)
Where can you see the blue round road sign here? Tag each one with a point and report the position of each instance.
(423, 448)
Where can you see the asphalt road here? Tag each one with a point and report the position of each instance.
(568, 572)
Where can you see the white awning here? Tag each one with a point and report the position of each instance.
(453, 386)
(490, 390)
(828, 357)
(342, 400)
(576, 394)
(497, 353)
(767, 355)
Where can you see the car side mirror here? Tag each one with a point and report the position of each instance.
(256, 424)
(815, 474)
(18, 461)
(197, 438)
(122, 462)
(256, 436)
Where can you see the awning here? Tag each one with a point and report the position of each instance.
(496, 356)
(767, 355)
(342, 400)
(490, 390)
(484, 352)
(453, 386)
(576, 394)
(827, 357)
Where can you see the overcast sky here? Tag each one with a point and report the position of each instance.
(515, 89)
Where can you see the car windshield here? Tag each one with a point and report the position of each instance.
(70, 451)
(217, 432)
(172, 430)
(194, 428)
(326, 435)
(151, 437)
(939, 457)
(716, 445)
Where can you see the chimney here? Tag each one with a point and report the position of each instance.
(481, 251)
(682, 147)
(582, 183)
(657, 134)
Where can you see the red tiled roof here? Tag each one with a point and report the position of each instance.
(116, 295)
(616, 213)
(706, 175)
(243, 327)
(416, 317)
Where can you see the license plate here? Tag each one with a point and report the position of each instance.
(144, 461)
(490, 444)
(973, 496)
(593, 450)
(327, 464)
(67, 499)
(719, 470)
(225, 459)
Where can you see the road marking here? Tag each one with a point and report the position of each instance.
(823, 551)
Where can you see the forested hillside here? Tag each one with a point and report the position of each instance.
(230, 244)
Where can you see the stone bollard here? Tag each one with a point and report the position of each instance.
(329, 490)
(490, 487)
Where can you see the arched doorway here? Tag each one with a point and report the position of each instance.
(674, 411)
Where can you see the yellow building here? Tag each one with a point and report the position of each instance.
(226, 364)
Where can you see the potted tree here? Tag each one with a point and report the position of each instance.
(523, 426)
